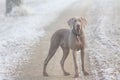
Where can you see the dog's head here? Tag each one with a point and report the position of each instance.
(77, 23)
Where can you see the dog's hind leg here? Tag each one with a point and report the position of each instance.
(52, 50)
(65, 54)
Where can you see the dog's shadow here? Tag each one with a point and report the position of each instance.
(63, 77)
(60, 76)
(67, 77)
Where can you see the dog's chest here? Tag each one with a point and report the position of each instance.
(78, 44)
(75, 43)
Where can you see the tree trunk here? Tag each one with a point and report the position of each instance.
(12, 3)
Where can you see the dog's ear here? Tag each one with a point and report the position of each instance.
(83, 21)
(71, 22)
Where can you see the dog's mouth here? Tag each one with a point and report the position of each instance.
(77, 30)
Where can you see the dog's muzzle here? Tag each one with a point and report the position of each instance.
(76, 33)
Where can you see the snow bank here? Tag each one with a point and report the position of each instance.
(21, 10)
(104, 54)
(18, 33)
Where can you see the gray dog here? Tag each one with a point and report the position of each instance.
(69, 39)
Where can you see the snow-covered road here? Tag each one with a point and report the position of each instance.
(19, 34)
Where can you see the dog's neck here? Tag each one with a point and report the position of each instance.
(75, 33)
(79, 36)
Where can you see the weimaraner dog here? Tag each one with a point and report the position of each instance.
(69, 39)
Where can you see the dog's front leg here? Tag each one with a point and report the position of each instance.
(82, 60)
(75, 65)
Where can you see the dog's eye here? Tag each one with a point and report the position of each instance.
(75, 20)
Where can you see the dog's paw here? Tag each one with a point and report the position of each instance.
(76, 75)
(45, 74)
(66, 73)
(86, 73)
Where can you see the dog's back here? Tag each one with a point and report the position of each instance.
(60, 37)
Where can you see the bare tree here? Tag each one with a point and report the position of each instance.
(12, 3)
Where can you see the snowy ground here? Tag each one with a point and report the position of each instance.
(104, 48)
(18, 34)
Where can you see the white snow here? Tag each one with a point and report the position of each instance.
(105, 50)
(22, 29)
(26, 26)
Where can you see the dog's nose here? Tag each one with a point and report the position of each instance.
(78, 26)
